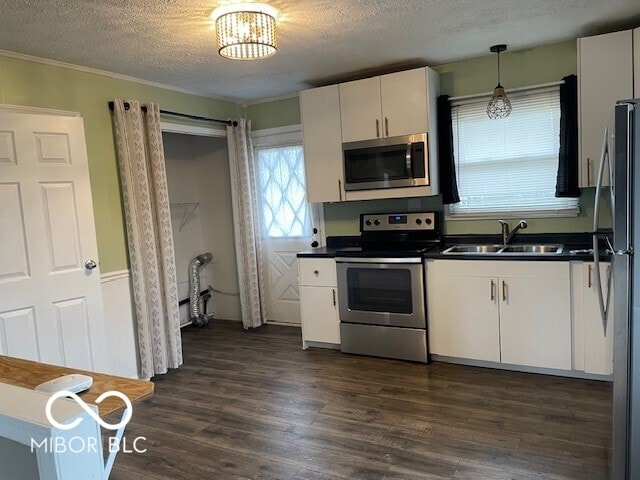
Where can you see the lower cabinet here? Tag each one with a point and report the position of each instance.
(462, 312)
(535, 317)
(593, 350)
(319, 301)
(511, 312)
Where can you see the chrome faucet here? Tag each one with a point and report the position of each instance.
(506, 235)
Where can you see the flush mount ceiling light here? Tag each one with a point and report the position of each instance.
(499, 105)
(246, 31)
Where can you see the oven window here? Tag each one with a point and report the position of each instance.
(379, 290)
(376, 166)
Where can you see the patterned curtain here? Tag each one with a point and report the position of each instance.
(245, 223)
(149, 235)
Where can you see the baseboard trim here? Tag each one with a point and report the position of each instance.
(522, 368)
(330, 346)
(284, 324)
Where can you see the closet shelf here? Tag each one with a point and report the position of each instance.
(188, 210)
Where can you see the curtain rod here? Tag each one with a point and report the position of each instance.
(183, 115)
(511, 90)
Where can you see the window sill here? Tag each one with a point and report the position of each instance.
(572, 213)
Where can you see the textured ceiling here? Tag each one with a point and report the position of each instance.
(320, 41)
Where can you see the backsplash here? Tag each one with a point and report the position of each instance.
(343, 218)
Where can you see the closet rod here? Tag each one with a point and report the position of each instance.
(183, 115)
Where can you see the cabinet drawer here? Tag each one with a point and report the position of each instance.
(317, 272)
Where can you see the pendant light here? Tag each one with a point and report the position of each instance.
(499, 105)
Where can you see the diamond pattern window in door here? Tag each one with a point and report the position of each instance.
(284, 211)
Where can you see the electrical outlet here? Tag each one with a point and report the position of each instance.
(414, 204)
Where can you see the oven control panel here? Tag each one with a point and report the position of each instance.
(385, 222)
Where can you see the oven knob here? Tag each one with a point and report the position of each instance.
(418, 221)
(428, 221)
(376, 222)
(368, 222)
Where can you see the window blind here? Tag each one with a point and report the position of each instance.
(509, 166)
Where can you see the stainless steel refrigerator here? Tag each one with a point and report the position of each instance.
(620, 162)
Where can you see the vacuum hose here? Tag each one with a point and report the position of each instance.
(197, 318)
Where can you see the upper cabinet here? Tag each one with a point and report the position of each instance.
(322, 139)
(360, 109)
(605, 75)
(386, 106)
(392, 105)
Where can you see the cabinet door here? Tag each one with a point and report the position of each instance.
(319, 311)
(462, 314)
(360, 110)
(605, 76)
(322, 140)
(535, 319)
(404, 103)
(598, 349)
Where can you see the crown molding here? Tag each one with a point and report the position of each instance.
(270, 99)
(105, 73)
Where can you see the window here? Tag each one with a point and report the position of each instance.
(509, 166)
(284, 211)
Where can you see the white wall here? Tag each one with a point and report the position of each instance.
(198, 171)
(119, 321)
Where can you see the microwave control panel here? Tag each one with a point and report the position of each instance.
(385, 222)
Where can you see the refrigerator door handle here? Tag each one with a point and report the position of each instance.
(603, 302)
(604, 156)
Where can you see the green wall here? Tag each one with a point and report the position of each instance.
(543, 64)
(273, 114)
(39, 85)
(343, 218)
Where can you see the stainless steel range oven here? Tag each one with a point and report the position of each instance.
(381, 286)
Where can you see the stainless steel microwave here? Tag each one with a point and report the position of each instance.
(386, 163)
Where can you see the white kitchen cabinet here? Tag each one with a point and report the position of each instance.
(502, 311)
(535, 316)
(360, 110)
(463, 315)
(605, 75)
(593, 351)
(404, 102)
(319, 301)
(389, 105)
(322, 140)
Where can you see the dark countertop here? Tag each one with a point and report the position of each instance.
(562, 257)
(571, 241)
(320, 252)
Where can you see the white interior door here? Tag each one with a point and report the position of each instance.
(286, 227)
(50, 304)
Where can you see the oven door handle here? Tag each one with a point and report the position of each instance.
(378, 260)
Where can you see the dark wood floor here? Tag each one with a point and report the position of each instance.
(254, 405)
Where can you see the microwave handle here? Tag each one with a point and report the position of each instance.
(409, 161)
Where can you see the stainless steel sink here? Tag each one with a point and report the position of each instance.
(547, 249)
(540, 249)
(472, 249)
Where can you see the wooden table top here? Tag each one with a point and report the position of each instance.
(28, 374)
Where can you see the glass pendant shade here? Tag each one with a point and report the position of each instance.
(499, 105)
(247, 32)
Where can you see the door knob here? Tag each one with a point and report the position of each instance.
(90, 264)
